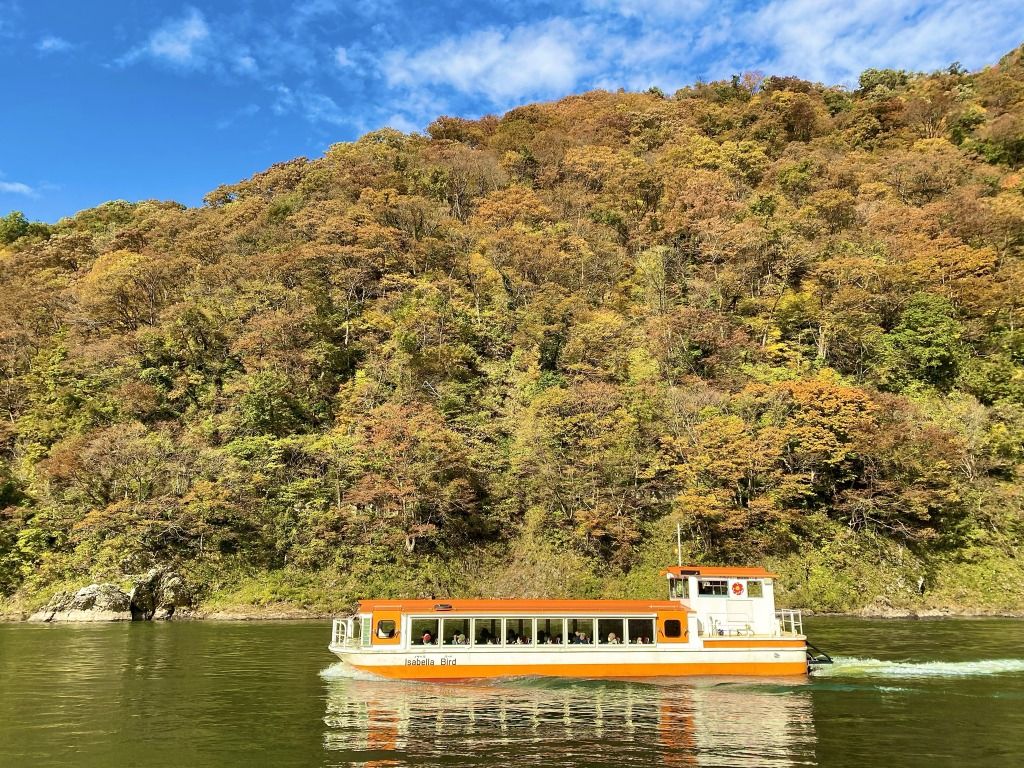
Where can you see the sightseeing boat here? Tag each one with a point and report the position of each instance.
(715, 621)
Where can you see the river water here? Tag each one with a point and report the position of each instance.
(197, 695)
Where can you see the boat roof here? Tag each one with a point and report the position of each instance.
(723, 571)
(521, 605)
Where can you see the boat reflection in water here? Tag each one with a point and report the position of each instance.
(692, 722)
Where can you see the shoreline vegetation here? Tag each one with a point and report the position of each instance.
(289, 613)
(506, 357)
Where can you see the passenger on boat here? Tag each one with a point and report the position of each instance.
(584, 640)
(427, 639)
(459, 639)
(613, 639)
(485, 637)
(542, 638)
(556, 640)
(523, 640)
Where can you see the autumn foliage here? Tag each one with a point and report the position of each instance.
(776, 312)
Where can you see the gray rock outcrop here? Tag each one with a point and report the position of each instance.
(158, 594)
(96, 602)
(142, 598)
(172, 595)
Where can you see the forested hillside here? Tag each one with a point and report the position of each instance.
(507, 357)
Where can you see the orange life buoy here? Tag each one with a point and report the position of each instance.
(737, 588)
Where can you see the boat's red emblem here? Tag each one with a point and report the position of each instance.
(737, 588)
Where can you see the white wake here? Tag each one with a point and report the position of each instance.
(846, 666)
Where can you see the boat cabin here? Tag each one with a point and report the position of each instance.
(729, 600)
(575, 625)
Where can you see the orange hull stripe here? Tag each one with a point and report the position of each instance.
(708, 643)
(750, 668)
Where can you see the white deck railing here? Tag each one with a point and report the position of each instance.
(791, 621)
(339, 634)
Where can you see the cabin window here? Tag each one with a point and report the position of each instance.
(641, 631)
(550, 631)
(579, 631)
(518, 631)
(364, 628)
(386, 628)
(681, 588)
(424, 631)
(611, 631)
(673, 628)
(755, 588)
(487, 631)
(455, 632)
(713, 587)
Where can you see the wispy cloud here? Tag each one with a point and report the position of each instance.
(365, 63)
(314, 106)
(496, 64)
(835, 40)
(244, 113)
(17, 188)
(53, 44)
(181, 42)
(342, 58)
(9, 13)
(402, 123)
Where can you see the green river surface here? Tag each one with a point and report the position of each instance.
(196, 694)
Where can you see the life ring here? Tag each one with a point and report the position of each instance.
(737, 588)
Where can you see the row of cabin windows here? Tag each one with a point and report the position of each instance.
(714, 588)
(519, 631)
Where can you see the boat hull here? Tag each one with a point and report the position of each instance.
(776, 658)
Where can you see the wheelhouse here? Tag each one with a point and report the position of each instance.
(730, 600)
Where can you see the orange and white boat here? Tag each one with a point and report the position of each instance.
(716, 621)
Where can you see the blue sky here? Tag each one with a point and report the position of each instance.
(167, 100)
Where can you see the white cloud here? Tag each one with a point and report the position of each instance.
(835, 40)
(246, 64)
(53, 44)
(320, 108)
(310, 9)
(342, 59)
(17, 188)
(312, 105)
(402, 123)
(9, 13)
(498, 64)
(284, 100)
(181, 42)
(657, 10)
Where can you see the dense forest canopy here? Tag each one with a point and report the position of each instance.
(510, 355)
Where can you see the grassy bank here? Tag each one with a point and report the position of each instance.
(852, 574)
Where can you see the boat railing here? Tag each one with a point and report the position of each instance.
(722, 626)
(790, 621)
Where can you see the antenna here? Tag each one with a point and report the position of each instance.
(679, 544)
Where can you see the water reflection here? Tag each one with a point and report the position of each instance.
(571, 723)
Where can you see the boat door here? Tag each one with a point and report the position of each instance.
(739, 614)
